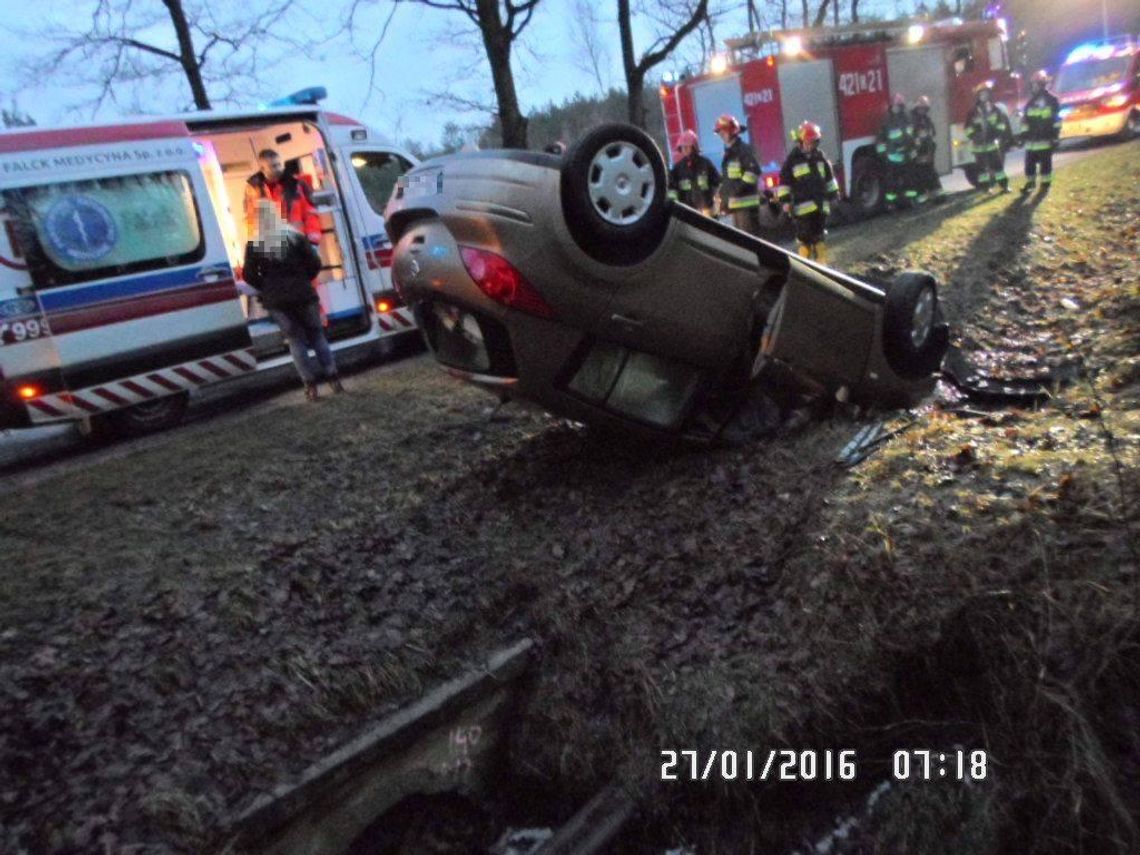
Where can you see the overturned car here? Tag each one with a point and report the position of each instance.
(574, 283)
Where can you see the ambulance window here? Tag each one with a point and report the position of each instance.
(83, 230)
(378, 172)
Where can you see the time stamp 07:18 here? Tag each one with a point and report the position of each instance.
(911, 764)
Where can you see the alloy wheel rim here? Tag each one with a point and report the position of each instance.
(923, 318)
(621, 183)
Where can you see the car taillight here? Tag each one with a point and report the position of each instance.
(500, 281)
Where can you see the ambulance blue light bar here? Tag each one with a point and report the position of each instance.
(303, 96)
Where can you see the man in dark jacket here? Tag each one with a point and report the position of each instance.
(693, 179)
(895, 146)
(292, 195)
(1042, 130)
(807, 186)
(990, 135)
(280, 264)
(740, 176)
(924, 174)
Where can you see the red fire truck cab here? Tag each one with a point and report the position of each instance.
(843, 78)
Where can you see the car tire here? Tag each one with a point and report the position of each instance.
(1131, 127)
(914, 334)
(614, 194)
(866, 186)
(149, 416)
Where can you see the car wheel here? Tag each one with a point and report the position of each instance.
(914, 335)
(614, 194)
(149, 416)
(866, 186)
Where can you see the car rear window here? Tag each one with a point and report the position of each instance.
(77, 231)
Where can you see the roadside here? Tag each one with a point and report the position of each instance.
(192, 624)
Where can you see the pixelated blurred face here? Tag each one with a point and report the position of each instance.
(686, 150)
(271, 167)
(725, 135)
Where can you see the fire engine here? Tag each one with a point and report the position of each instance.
(842, 78)
(120, 250)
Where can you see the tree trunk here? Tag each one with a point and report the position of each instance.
(497, 41)
(854, 11)
(807, 13)
(186, 55)
(635, 108)
(821, 15)
(784, 14)
(835, 13)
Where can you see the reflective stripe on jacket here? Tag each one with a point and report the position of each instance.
(741, 176)
(807, 182)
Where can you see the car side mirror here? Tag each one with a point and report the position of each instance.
(324, 198)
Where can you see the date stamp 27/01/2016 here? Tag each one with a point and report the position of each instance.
(785, 764)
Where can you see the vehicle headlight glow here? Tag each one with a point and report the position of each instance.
(1115, 101)
(914, 33)
(718, 64)
(794, 46)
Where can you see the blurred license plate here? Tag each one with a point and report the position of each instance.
(426, 183)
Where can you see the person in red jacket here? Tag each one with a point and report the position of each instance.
(293, 196)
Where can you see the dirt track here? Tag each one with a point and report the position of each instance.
(187, 626)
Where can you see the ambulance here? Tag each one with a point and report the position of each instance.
(842, 78)
(118, 296)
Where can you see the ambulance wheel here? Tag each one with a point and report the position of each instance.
(149, 416)
(914, 334)
(614, 194)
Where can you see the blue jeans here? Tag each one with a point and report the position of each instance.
(302, 328)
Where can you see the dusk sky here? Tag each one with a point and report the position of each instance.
(420, 55)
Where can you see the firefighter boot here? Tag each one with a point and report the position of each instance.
(1030, 185)
(804, 250)
(821, 252)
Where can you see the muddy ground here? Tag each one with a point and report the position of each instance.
(186, 627)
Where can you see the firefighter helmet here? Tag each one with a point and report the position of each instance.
(688, 138)
(1041, 76)
(900, 100)
(727, 122)
(809, 132)
(923, 102)
(984, 86)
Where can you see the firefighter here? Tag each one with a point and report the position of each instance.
(924, 175)
(693, 179)
(807, 186)
(990, 134)
(895, 145)
(1042, 130)
(739, 189)
(293, 196)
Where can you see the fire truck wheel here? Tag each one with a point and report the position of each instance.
(614, 194)
(866, 185)
(914, 336)
(150, 416)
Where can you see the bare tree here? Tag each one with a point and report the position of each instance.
(821, 15)
(500, 23)
(120, 47)
(806, 11)
(677, 18)
(591, 55)
(854, 11)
